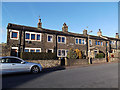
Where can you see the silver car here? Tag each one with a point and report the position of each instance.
(10, 64)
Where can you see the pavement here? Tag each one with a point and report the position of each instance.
(86, 65)
(91, 76)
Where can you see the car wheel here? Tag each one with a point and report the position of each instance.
(35, 69)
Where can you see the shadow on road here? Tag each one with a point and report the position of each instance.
(13, 80)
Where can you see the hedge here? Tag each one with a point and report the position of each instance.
(100, 55)
(38, 56)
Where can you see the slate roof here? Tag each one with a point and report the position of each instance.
(49, 31)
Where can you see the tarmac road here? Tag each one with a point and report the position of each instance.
(96, 76)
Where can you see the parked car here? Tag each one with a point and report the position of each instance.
(11, 64)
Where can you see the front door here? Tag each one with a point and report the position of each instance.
(62, 61)
(14, 52)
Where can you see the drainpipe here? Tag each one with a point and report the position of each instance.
(109, 46)
(109, 51)
(87, 48)
(116, 44)
(19, 45)
(106, 52)
(56, 47)
(23, 40)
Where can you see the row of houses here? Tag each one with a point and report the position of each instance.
(22, 38)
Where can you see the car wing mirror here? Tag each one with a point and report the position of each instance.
(22, 62)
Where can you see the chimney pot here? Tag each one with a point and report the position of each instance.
(84, 32)
(39, 23)
(99, 33)
(65, 28)
(117, 35)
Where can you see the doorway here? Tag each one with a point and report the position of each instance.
(14, 52)
(62, 61)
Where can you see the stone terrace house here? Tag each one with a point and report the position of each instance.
(37, 39)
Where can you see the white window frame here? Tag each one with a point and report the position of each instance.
(34, 49)
(15, 48)
(81, 41)
(97, 43)
(61, 53)
(61, 39)
(49, 49)
(75, 41)
(35, 36)
(91, 41)
(11, 34)
(102, 43)
(47, 38)
(113, 42)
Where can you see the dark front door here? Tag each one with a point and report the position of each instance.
(13, 52)
(62, 61)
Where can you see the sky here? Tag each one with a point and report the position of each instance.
(77, 15)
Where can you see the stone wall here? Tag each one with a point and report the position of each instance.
(74, 62)
(116, 55)
(4, 50)
(114, 59)
(103, 60)
(46, 63)
(98, 60)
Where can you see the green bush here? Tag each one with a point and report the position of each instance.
(72, 54)
(100, 55)
(37, 56)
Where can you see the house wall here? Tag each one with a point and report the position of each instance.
(44, 45)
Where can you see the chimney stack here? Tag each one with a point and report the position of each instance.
(39, 23)
(99, 33)
(84, 32)
(117, 35)
(65, 28)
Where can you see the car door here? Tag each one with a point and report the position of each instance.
(6, 66)
(17, 66)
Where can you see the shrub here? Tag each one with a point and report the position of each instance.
(71, 54)
(100, 55)
(37, 56)
(79, 54)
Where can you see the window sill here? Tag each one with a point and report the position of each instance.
(14, 38)
(50, 41)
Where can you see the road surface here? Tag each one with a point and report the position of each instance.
(95, 76)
